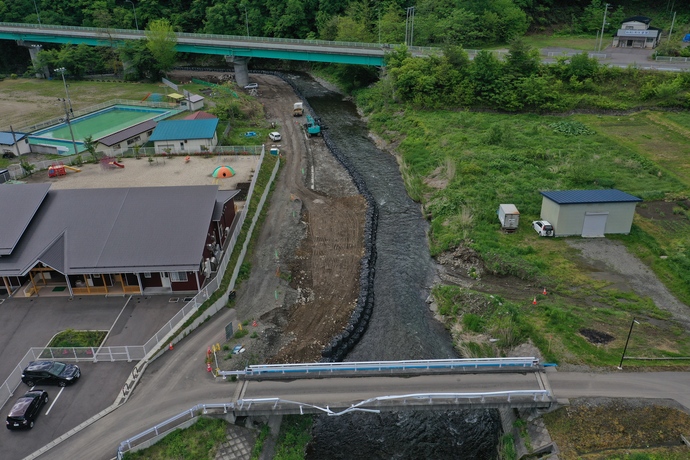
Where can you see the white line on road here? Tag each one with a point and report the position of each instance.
(55, 400)
(113, 325)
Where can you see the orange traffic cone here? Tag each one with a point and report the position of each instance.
(170, 347)
(534, 302)
(544, 293)
(208, 367)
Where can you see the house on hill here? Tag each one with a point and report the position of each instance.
(139, 240)
(185, 136)
(635, 32)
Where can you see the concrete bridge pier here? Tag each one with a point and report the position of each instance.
(241, 70)
(34, 48)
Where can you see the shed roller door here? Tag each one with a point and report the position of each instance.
(595, 224)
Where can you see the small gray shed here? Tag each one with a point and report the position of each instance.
(589, 213)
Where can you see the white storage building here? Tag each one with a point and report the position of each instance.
(588, 213)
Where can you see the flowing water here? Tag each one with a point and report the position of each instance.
(401, 326)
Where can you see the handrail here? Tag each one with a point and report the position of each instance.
(381, 366)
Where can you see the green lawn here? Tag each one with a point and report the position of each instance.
(462, 165)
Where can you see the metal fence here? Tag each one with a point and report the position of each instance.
(96, 108)
(671, 59)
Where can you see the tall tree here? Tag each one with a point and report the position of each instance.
(161, 41)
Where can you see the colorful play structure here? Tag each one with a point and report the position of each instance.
(110, 163)
(60, 169)
(222, 172)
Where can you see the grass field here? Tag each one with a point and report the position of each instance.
(462, 165)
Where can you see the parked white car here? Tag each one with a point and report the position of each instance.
(274, 136)
(252, 86)
(543, 227)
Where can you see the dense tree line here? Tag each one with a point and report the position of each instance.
(520, 82)
(467, 23)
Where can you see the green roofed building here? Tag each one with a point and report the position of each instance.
(185, 136)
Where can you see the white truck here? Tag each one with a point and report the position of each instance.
(509, 216)
(297, 110)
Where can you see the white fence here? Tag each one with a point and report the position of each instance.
(671, 59)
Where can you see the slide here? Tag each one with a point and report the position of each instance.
(146, 97)
(119, 165)
(73, 169)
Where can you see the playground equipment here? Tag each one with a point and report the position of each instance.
(59, 169)
(222, 172)
(312, 126)
(110, 163)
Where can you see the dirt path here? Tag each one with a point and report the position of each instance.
(305, 268)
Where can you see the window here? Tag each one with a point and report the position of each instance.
(178, 277)
(147, 274)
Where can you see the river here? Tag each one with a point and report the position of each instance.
(401, 326)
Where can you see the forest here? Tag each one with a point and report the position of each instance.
(466, 23)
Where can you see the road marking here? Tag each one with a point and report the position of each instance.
(55, 400)
(113, 325)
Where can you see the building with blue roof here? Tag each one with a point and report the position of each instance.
(588, 213)
(185, 136)
(11, 142)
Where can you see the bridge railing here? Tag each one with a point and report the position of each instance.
(241, 38)
(385, 366)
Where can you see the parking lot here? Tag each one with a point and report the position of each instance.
(26, 323)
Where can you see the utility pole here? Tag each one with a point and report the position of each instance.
(246, 20)
(603, 25)
(672, 23)
(634, 321)
(409, 27)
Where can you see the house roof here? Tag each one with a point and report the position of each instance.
(195, 98)
(642, 19)
(589, 196)
(128, 133)
(7, 139)
(200, 115)
(176, 96)
(18, 205)
(113, 230)
(184, 129)
(222, 197)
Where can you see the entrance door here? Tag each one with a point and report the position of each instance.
(165, 280)
(595, 224)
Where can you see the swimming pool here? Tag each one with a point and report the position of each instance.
(97, 125)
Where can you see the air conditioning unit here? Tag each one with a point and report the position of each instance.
(207, 267)
(227, 232)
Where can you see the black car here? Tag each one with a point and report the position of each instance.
(26, 409)
(50, 373)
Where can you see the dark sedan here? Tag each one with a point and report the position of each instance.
(50, 373)
(26, 409)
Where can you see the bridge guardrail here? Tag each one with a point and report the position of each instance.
(267, 370)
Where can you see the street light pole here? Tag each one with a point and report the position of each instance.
(136, 24)
(634, 321)
(246, 20)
